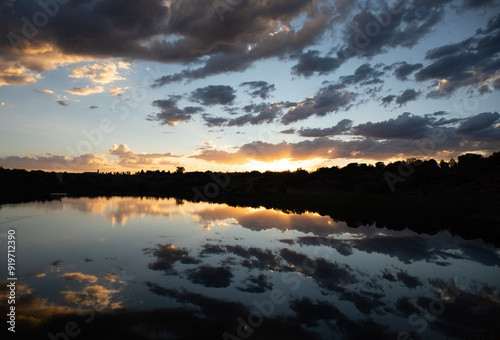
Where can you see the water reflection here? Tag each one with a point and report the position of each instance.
(183, 270)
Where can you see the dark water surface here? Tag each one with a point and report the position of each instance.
(165, 269)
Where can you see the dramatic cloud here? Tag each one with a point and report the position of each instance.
(364, 75)
(407, 96)
(209, 276)
(310, 63)
(260, 89)
(167, 256)
(171, 114)
(388, 99)
(381, 140)
(127, 159)
(406, 126)
(471, 62)
(256, 284)
(213, 95)
(256, 114)
(371, 32)
(483, 126)
(327, 100)
(341, 127)
(404, 69)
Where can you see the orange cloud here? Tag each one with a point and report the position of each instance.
(99, 73)
(87, 90)
(80, 277)
(31, 60)
(127, 160)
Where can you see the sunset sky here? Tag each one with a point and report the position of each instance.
(237, 85)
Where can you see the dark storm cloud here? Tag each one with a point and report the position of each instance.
(170, 113)
(177, 31)
(256, 114)
(209, 276)
(481, 127)
(310, 313)
(406, 248)
(404, 69)
(310, 63)
(404, 135)
(166, 256)
(288, 131)
(386, 275)
(496, 84)
(480, 306)
(480, 253)
(260, 89)
(211, 308)
(405, 126)
(344, 248)
(374, 31)
(328, 99)
(341, 127)
(407, 96)
(105, 28)
(251, 25)
(388, 99)
(365, 302)
(256, 258)
(328, 275)
(479, 3)
(371, 32)
(364, 75)
(470, 62)
(214, 95)
(214, 121)
(256, 284)
(404, 307)
(212, 249)
(478, 122)
(409, 281)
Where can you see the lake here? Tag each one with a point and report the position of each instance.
(149, 268)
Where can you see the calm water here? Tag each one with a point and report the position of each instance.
(166, 269)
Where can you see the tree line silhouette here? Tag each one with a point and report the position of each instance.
(422, 194)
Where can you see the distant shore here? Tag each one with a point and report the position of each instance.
(463, 198)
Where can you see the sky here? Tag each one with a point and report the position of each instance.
(238, 85)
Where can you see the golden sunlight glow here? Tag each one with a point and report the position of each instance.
(278, 165)
(442, 84)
